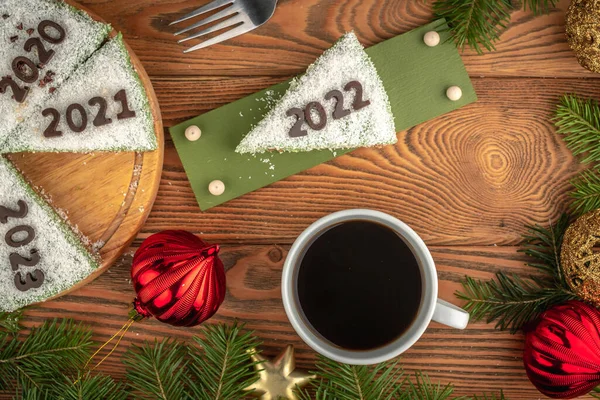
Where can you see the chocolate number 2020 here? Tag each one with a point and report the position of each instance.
(24, 68)
(81, 124)
(19, 236)
(306, 114)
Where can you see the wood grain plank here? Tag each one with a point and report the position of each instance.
(301, 30)
(474, 176)
(476, 360)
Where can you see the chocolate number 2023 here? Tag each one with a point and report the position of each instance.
(80, 124)
(306, 114)
(19, 236)
(27, 70)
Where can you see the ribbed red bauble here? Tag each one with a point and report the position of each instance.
(179, 279)
(562, 352)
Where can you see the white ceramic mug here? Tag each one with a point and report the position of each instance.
(430, 308)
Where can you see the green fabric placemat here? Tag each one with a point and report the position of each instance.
(415, 77)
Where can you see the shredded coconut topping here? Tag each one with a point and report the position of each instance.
(63, 258)
(372, 125)
(108, 71)
(82, 37)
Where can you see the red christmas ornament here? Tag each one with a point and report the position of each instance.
(179, 279)
(562, 352)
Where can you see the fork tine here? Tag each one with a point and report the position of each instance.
(228, 23)
(222, 37)
(208, 7)
(228, 12)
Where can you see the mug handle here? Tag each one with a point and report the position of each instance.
(450, 315)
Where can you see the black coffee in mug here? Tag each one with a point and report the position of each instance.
(359, 285)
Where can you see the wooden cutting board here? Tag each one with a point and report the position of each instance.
(108, 196)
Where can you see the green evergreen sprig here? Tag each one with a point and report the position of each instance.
(474, 23)
(220, 366)
(479, 23)
(578, 120)
(513, 301)
(423, 389)
(383, 381)
(490, 397)
(87, 387)
(90, 387)
(157, 371)
(9, 322)
(349, 382)
(586, 195)
(543, 246)
(539, 7)
(42, 358)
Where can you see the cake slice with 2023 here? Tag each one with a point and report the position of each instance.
(65, 87)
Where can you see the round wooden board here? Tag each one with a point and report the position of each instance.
(108, 196)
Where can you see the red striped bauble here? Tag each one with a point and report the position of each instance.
(179, 279)
(562, 351)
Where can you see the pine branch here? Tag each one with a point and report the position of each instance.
(338, 382)
(579, 121)
(424, 389)
(9, 322)
(491, 397)
(510, 301)
(539, 6)
(90, 387)
(587, 192)
(64, 346)
(35, 394)
(87, 387)
(322, 390)
(157, 371)
(543, 246)
(222, 369)
(476, 23)
(357, 382)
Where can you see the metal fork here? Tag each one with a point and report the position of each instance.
(242, 15)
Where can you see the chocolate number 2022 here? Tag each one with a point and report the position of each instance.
(24, 68)
(19, 236)
(306, 114)
(100, 119)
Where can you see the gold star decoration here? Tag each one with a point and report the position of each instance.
(277, 378)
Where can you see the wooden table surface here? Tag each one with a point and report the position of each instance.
(467, 182)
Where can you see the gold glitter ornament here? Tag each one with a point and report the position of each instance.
(578, 260)
(277, 378)
(583, 32)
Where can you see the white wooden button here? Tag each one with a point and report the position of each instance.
(193, 133)
(454, 93)
(431, 38)
(216, 188)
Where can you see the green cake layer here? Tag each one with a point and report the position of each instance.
(50, 248)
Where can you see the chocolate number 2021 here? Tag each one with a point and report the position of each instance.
(81, 124)
(306, 114)
(19, 236)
